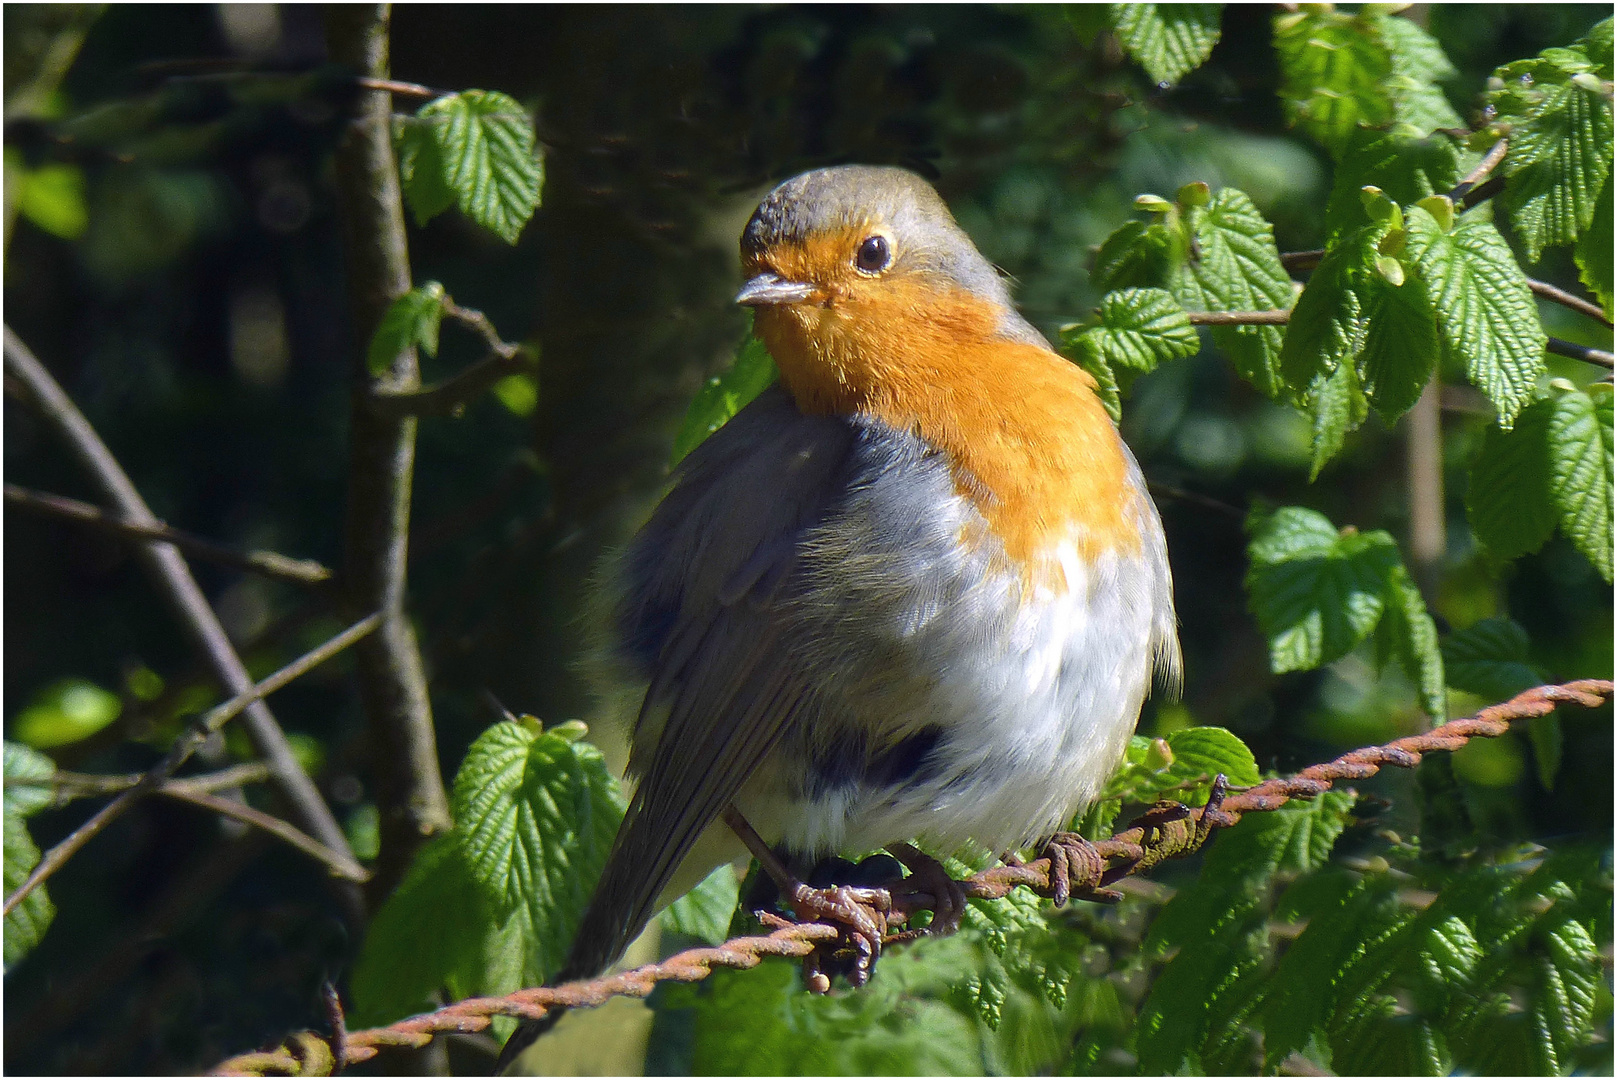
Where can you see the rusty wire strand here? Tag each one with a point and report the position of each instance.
(1126, 853)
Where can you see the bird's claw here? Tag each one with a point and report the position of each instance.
(1074, 861)
(927, 875)
(861, 916)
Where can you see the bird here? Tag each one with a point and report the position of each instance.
(914, 591)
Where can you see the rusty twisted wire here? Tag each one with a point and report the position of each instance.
(1128, 852)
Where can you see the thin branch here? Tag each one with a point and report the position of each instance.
(1566, 299)
(403, 89)
(1196, 498)
(410, 792)
(186, 745)
(1240, 318)
(1489, 162)
(339, 864)
(1481, 193)
(1296, 261)
(1134, 848)
(174, 581)
(72, 785)
(268, 563)
(450, 397)
(1598, 357)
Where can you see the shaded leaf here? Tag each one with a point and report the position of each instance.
(1418, 62)
(411, 321)
(1594, 251)
(1136, 254)
(1168, 40)
(1408, 169)
(1489, 658)
(1335, 71)
(1507, 498)
(725, 395)
(1580, 453)
(1412, 637)
(704, 912)
(67, 712)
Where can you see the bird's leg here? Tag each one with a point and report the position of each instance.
(928, 875)
(860, 912)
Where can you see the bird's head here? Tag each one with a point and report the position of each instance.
(854, 269)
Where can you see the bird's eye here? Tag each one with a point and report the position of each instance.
(874, 255)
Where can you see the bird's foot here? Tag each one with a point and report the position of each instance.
(927, 875)
(1076, 870)
(860, 914)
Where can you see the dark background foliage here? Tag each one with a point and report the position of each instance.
(200, 321)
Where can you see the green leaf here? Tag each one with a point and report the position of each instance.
(1235, 266)
(1580, 451)
(725, 395)
(704, 912)
(536, 814)
(28, 921)
(1316, 593)
(1544, 732)
(22, 765)
(1485, 312)
(1407, 169)
(1412, 638)
(1082, 351)
(1594, 251)
(1141, 328)
(52, 196)
(477, 146)
(1507, 497)
(519, 394)
(1189, 760)
(1339, 408)
(1401, 344)
(411, 321)
(1560, 146)
(1136, 254)
(1335, 72)
(67, 712)
(1418, 62)
(429, 933)
(1168, 40)
(1489, 658)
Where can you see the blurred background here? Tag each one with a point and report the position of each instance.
(178, 268)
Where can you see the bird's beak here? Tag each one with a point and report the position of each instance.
(767, 288)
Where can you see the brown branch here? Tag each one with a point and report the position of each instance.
(393, 685)
(268, 563)
(1461, 193)
(71, 785)
(1136, 850)
(1239, 318)
(174, 581)
(340, 865)
(403, 89)
(1566, 299)
(186, 745)
(1598, 357)
(1296, 261)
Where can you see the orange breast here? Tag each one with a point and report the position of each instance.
(1030, 444)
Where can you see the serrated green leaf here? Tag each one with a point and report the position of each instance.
(1485, 312)
(1320, 355)
(1335, 71)
(1594, 251)
(1233, 265)
(1303, 993)
(421, 169)
(1507, 498)
(1412, 637)
(1135, 255)
(66, 712)
(725, 395)
(1168, 40)
(1195, 756)
(483, 151)
(1141, 328)
(1580, 452)
(1560, 146)
(428, 934)
(1407, 169)
(23, 764)
(1213, 750)
(411, 321)
(1489, 658)
(1083, 352)
(536, 814)
(1400, 345)
(28, 921)
(704, 912)
(1418, 61)
(1316, 594)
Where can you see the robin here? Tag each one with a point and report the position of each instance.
(915, 591)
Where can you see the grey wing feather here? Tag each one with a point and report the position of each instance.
(699, 614)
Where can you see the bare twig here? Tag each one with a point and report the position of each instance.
(339, 864)
(173, 578)
(403, 89)
(1598, 357)
(1566, 299)
(1240, 318)
(1207, 502)
(1297, 261)
(72, 785)
(1134, 848)
(1489, 162)
(409, 787)
(1481, 193)
(181, 751)
(268, 563)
